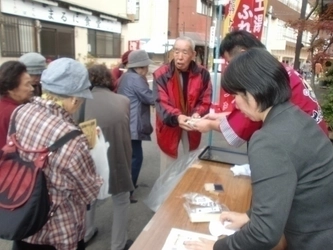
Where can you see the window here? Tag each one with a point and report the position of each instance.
(104, 44)
(205, 7)
(57, 41)
(137, 11)
(17, 36)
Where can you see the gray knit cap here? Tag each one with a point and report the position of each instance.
(34, 62)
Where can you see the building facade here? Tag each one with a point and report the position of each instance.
(280, 39)
(79, 29)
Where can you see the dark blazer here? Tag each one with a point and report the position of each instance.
(112, 114)
(291, 161)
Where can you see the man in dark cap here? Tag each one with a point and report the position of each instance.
(35, 64)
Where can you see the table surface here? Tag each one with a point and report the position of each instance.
(236, 196)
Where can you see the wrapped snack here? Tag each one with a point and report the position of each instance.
(201, 208)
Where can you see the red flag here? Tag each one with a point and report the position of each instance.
(250, 16)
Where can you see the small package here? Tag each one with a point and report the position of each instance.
(201, 208)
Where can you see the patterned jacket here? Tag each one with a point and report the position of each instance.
(168, 107)
(70, 172)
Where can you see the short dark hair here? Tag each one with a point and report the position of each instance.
(100, 75)
(10, 76)
(257, 72)
(237, 40)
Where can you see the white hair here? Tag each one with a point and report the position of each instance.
(188, 39)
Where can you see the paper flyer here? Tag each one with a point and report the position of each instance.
(89, 129)
(176, 238)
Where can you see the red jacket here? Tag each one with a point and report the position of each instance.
(237, 129)
(7, 106)
(168, 107)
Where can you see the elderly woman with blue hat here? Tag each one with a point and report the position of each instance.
(70, 172)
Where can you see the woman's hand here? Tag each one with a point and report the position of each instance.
(203, 244)
(236, 220)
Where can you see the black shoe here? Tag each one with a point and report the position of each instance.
(128, 244)
(132, 200)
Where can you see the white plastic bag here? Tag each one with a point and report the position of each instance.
(169, 179)
(99, 155)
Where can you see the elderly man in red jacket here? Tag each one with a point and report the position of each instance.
(182, 90)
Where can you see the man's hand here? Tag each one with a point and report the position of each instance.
(182, 119)
(203, 244)
(203, 125)
(237, 220)
(196, 116)
(216, 116)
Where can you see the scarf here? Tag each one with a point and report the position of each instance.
(178, 80)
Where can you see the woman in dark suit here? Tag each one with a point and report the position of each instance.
(291, 162)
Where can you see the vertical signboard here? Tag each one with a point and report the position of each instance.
(246, 15)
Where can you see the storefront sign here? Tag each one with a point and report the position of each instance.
(57, 15)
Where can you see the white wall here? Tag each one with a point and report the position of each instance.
(152, 24)
(116, 7)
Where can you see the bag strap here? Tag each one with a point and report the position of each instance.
(64, 139)
(12, 129)
(59, 143)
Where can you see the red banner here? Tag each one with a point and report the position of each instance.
(249, 16)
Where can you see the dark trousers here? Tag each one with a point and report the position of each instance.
(21, 245)
(137, 158)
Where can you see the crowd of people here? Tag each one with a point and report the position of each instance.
(274, 111)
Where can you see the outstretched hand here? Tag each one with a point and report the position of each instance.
(236, 220)
(203, 244)
(216, 116)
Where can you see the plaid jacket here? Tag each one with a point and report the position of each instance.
(71, 178)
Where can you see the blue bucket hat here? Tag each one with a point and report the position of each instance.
(66, 77)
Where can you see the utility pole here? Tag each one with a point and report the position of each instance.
(206, 37)
(299, 36)
(270, 12)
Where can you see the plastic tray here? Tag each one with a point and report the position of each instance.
(216, 154)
